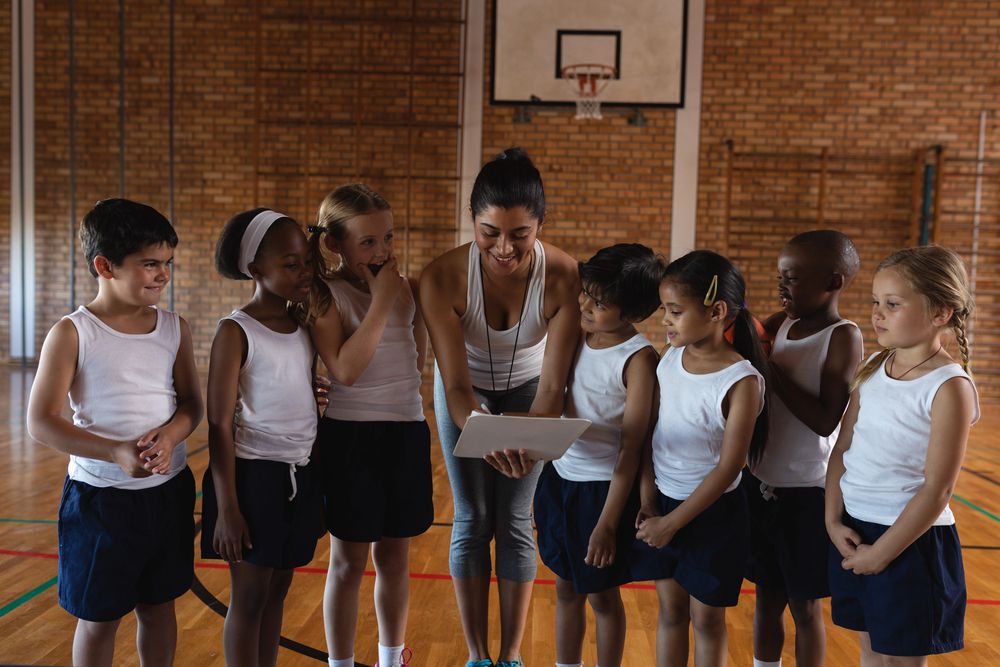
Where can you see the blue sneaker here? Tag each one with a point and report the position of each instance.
(480, 663)
(516, 662)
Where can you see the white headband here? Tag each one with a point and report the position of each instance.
(253, 236)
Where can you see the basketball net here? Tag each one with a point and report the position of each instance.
(588, 81)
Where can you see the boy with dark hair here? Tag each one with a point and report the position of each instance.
(813, 359)
(126, 528)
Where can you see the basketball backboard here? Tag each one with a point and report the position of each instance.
(535, 40)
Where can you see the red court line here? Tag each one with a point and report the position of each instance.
(421, 575)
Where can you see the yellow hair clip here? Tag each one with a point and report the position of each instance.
(713, 290)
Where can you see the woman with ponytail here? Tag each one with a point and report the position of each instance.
(895, 565)
(711, 419)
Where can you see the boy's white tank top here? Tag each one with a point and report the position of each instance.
(389, 387)
(687, 440)
(795, 455)
(530, 340)
(597, 392)
(275, 415)
(884, 467)
(123, 388)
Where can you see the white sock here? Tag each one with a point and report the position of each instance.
(388, 656)
(343, 662)
(569, 664)
(765, 663)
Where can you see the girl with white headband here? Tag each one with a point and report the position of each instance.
(262, 510)
(373, 441)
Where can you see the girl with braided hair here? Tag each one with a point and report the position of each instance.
(895, 565)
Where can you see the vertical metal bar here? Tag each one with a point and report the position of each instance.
(938, 183)
(310, 81)
(976, 209)
(256, 106)
(409, 139)
(823, 163)
(71, 29)
(915, 196)
(121, 98)
(359, 104)
(728, 212)
(170, 139)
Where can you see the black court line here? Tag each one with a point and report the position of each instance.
(221, 609)
(981, 475)
(981, 547)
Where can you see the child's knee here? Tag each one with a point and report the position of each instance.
(708, 620)
(97, 630)
(606, 602)
(806, 612)
(347, 566)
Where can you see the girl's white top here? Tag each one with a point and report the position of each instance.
(123, 388)
(275, 409)
(885, 463)
(597, 392)
(795, 454)
(389, 387)
(687, 440)
(530, 340)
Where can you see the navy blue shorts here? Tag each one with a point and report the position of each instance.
(376, 478)
(120, 548)
(708, 557)
(565, 514)
(788, 540)
(283, 532)
(914, 607)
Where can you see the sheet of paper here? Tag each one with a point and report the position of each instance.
(543, 437)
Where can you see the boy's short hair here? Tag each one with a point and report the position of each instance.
(833, 247)
(626, 275)
(116, 228)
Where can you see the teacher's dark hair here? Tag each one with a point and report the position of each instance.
(509, 180)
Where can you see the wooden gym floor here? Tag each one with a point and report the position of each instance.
(35, 630)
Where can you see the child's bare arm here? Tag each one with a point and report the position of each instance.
(744, 398)
(347, 357)
(56, 371)
(159, 443)
(951, 418)
(419, 330)
(822, 413)
(640, 379)
(228, 351)
(648, 493)
(844, 539)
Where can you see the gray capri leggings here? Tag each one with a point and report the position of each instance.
(488, 504)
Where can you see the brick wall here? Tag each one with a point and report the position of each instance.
(344, 91)
(369, 90)
(871, 82)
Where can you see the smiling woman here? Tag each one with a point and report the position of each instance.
(503, 318)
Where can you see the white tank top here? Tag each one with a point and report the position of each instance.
(885, 463)
(123, 388)
(389, 387)
(597, 392)
(795, 455)
(275, 409)
(687, 440)
(530, 340)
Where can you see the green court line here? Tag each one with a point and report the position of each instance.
(976, 507)
(11, 606)
(2, 520)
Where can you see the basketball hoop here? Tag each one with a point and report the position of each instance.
(588, 81)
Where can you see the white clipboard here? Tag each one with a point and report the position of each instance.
(545, 438)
